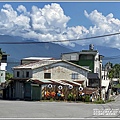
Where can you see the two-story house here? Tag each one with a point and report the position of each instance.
(45, 70)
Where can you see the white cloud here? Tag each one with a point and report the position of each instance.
(104, 25)
(44, 24)
(21, 8)
(50, 24)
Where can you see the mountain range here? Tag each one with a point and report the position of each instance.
(110, 54)
(18, 51)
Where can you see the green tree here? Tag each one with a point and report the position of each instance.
(8, 76)
(1, 54)
(115, 71)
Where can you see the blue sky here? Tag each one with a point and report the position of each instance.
(80, 19)
(76, 9)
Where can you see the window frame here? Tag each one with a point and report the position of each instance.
(47, 75)
(27, 74)
(74, 76)
(18, 73)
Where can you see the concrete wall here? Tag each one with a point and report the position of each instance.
(2, 76)
(70, 57)
(103, 94)
(2, 72)
(22, 73)
(97, 64)
(60, 71)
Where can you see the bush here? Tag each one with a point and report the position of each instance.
(70, 96)
(99, 102)
(87, 98)
(51, 99)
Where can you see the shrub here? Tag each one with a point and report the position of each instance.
(99, 102)
(87, 98)
(51, 99)
(70, 96)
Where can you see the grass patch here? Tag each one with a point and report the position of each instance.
(99, 102)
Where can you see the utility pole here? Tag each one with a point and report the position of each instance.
(100, 80)
(100, 65)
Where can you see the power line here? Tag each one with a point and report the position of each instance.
(34, 42)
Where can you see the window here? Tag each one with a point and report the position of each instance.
(74, 75)
(27, 74)
(47, 75)
(18, 74)
(94, 82)
(86, 57)
(1, 74)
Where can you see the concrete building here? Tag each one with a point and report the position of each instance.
(45, 70)
(34, 59)
(90, 59)
(3, 65)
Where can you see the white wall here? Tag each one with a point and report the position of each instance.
(70, 56)
(60, 71)
(2, 72)
(103, 95)
(22, 73)
(3, 66)
(104, 75)
(97, 64)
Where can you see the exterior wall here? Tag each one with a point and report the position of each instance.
(103, 94)
(22, 73)
(97, 64)
(87, 63)
(2, 76)
(3, 66)
(104, 75)
(60, 71)
(27, 61)
(70, 57)
(2, 72)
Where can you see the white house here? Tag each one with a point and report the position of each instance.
(46, 70)
(3, 65)
(51, 70)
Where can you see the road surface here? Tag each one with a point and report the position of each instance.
(31, 109)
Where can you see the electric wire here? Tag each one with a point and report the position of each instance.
(100, 36)
(34, 42)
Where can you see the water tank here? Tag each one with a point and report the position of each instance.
(91, 47)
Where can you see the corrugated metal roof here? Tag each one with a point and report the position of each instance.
(44, 63)
(79, 81)
(42, 81)
(71, 82)
(36, 64)
(37, 58)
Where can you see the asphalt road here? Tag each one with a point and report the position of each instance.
(29, 109)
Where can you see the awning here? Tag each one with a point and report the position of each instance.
(71, 82)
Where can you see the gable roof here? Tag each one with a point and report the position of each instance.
(45, 63)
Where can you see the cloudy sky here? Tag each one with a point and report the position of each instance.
(54, 21)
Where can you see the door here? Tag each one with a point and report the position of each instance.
(36, 92)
